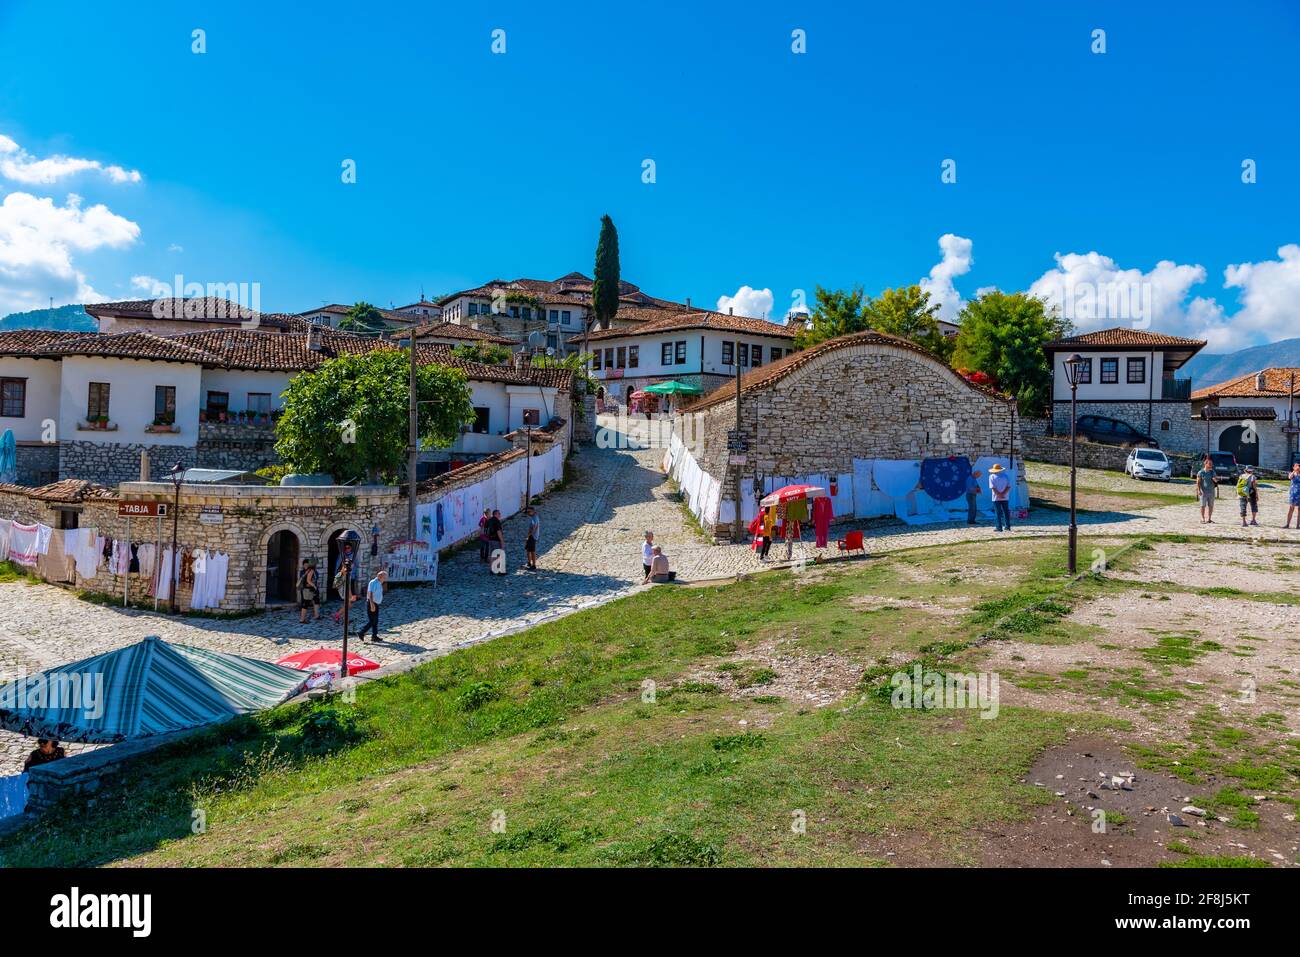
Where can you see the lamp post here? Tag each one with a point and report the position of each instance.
(1073, 368)
(177, 475)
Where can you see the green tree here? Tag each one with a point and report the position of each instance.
(579, 363)
(836, 312)
(362, 318)
(907, 312)
(604, 289)
(348, 418)
(1002, 335)
(489, 353)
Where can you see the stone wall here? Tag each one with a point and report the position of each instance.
(1091, 455)
(861, 400)
(229, 445)
(1182, 434)
(1031, 425)
(584, 427)
(110, 462)
(38, 463)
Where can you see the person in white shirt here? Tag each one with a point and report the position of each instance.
(374, 598)
(647, 552)
(1000, 490)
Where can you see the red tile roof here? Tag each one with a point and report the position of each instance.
(33, 342)
(452, 330)
(65, 490)
(1120, 337)
(139, 345)
(775, 371)
(1277, 384)
(695, 319)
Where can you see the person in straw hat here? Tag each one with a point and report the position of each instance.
(1000, 491)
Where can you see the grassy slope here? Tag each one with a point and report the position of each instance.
(549, 727)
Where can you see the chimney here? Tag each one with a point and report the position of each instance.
(144, 466)
(313, 338)
(521, 360)
(688, 303)
(1261, 381)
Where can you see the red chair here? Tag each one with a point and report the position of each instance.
(852, 542)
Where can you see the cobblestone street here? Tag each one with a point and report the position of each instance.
(591, 530)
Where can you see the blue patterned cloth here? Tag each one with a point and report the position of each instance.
(1295, 490)
(945, 479)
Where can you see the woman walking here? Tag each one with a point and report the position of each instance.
(1293, 500)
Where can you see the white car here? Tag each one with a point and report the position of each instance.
(1148, 463)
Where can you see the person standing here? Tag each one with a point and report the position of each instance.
(530, 546)
(647, 552)
(1248, 495)
(345, 576)
(483, 536)
(1000, 491)
(495, 529)
(1205, 490)
(308, 592)
(972, 495)
(1293, 498)
(47, 750)
(374, 598)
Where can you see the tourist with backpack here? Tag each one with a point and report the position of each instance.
(1248, 495)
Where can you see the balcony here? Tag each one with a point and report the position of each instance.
(1176, 390)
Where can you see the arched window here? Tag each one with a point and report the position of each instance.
(1164, 425)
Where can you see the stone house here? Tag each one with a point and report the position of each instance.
(869, 395)
(694, 346)
(1128, 376)
(1253, 416)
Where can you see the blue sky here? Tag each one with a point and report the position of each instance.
(774, 170)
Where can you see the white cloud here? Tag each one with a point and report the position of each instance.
(22, 167)
(1094, 292)
(37, 241)
(150, 286)
(956, 261)
(176, 248)
(755, 303)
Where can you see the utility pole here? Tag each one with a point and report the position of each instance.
(413, 447)
(737, 532)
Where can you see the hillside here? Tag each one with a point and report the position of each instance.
(1207, 369)
(70, 318)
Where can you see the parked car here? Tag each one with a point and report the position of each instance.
(1149, 463)
(1225, 465)
(1100, 428)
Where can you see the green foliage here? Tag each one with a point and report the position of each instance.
(579, 363)
(907, 312)
(349, 418)
(273, 473)
(604, 290)
(362, 317)
(837, 312)
(1002, 335)
(488, 353)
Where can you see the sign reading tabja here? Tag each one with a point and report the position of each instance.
(138, 509)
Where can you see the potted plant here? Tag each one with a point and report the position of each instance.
(203, 415)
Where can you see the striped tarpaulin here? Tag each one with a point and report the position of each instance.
(148, 688)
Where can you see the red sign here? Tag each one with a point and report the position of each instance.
(142, 509)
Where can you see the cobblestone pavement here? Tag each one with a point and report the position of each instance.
(591, 532)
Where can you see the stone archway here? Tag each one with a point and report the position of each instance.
(279, 551)
(1234, 440)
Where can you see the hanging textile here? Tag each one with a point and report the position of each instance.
(23, 545)
(55, 565)
(5, 526)
(896, 478)
(822, 511)
(944, 479)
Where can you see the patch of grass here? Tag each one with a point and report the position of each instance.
(1215, 860)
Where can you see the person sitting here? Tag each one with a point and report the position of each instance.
(659, 573)
(47, 750)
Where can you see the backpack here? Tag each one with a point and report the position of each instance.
(1243, 486)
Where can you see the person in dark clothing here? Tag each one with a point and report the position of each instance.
(495, 529)
(47, 750)
(483, 544)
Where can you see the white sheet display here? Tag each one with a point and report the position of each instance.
(897, 477)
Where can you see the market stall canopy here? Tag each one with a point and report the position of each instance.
(144, 689)
(673, 387)
(326, 659)
(790, 493)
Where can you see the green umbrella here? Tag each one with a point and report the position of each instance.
(673, 387)
(148, 688)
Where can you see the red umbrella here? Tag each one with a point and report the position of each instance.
(790, 493)
(326, 659)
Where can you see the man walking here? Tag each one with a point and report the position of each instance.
(1248, 495)
(647, 553)
(374, 598)
(972, 495)
(530, 546)
(1205, 490)
(1000, 490)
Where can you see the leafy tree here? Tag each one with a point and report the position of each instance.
(579, 363)
(362, 317)
(907, 312)
(604, 289)
(1002, 335)
(489, 353)
(348, 418)
(836, 312)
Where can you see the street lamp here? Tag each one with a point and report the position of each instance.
(1073, 370)
(177, 475)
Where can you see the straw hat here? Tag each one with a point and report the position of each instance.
(995, 468)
